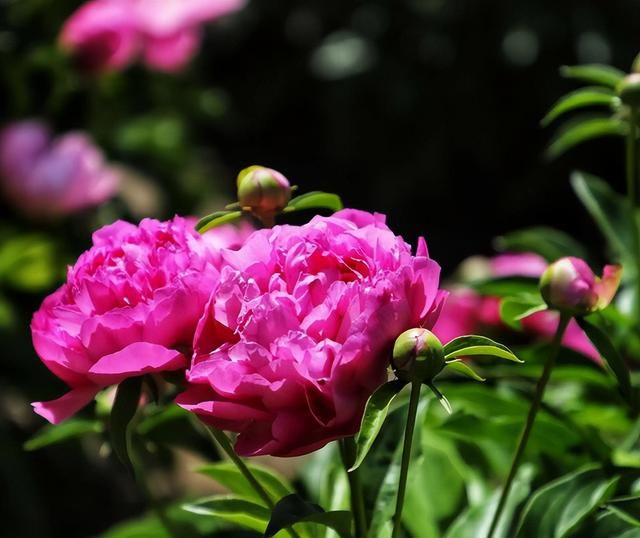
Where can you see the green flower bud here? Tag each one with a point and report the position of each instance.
(418, 356)
(629, 90)
(263, 191)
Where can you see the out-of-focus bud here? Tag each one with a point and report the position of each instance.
(629, 89)
(418, 356)
(570, 286)
(263, 191)
(46, 177)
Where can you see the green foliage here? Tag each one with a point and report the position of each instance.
(466, 346)
(124, 408)
(549, 243)
(70, 429)
(514, 309)
(602, 75)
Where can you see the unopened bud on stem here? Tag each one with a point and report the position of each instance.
(418, 356)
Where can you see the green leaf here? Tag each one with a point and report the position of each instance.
(124, 409)
(232, 509)
(548, 242)
(460, 367)
(608, 209)
(506, 286)
(228, 475)
(557, 509)
(315, 200)
(30, 262)
(53, 434)
(374, 416)
(217, 219)
(466, 346)
(515, 309)
(582, 130)
(602, 75)
(584, 97)
(611, 356)
(294, 509)
(442, 399)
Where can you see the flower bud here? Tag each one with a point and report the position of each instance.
(629, 90)
(263, 191)
(418, 356)
(569, 285)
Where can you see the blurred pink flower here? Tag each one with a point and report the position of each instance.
(47, 177)
(467, 312)
(105, 35)
(129, 307)
(299, 331)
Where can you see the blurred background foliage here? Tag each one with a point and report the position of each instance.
(426, 110)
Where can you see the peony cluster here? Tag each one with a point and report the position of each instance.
(108, 35)
(283, 335)
(46, 177)
(467, 312)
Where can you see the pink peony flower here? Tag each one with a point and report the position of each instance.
(105, 35)
(129, 307)
(299, 331)
(47, 177)
(467, 312)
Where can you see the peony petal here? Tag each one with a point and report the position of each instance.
(134, 360)
(55, 411)
(607, 287)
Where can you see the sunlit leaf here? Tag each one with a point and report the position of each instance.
(232, 509)
(558, 508)
(581, 98)
(582, 130)
(514, 309)
(228, 475)
(374, 416)
(315, 200)
(217, 219)
(294, 509)
(57, 433)
(465, 346)
(602, 75)
(506, 286)
(460, 367)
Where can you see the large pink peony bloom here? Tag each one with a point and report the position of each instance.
(129, 307)
(466, 312)
(106, 35)
(47, 177)
(299, 331)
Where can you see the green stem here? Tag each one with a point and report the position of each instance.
(223, 441)
(531, 417)
(632, 194)
(348, 452)
(406, 456)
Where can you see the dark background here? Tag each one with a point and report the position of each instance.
(425, 110)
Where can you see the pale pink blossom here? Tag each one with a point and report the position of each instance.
(43, 176)
(299, 331)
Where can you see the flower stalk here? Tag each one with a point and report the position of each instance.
(347, 453)
(406, 456)
(531, 417)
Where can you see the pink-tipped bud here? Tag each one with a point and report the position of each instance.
(418, 356)
(263, 191)
(570, 286)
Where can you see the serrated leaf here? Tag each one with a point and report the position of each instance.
(548, 242)
(294, 509)
(124, 409)
(611, 356)
(602, 75)
(608, 209)
(514, 309)
(315, 200)
(217, 219)
(460, 367)
(557, 509)
(57, 433)
(374, 416)
(232, 509)
(583, 130)
(584, 97)
(466, 346)
(228, 475)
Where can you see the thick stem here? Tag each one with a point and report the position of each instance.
(223, 441)
(406, 456)
(347, 451)
(531, 417)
